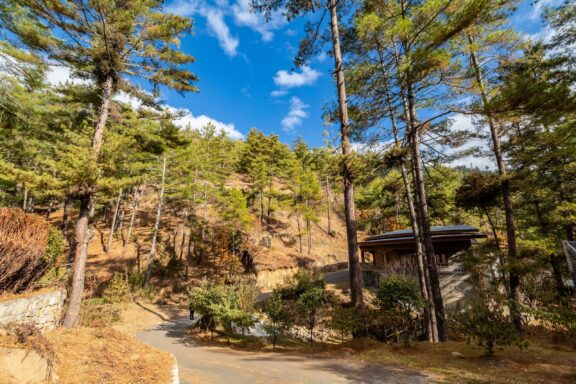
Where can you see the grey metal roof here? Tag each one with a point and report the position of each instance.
(435, 231)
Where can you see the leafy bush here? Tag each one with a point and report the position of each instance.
(346, 321)
(301, 282)
(310, 303)
(226, 305)
(485, 320)
(399, 299)
(278, 317)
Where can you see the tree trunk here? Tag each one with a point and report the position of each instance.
(514, 279)
(299, 230)
(82, 237)
(113, 225)
(261, 206)
(137, 196)
(424, 217)
(82, 231)
(269, 201)
(329, 207)
(25, 201)
(156, 226)
(356, 294)
(429, 315)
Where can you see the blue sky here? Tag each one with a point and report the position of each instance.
(245, 70)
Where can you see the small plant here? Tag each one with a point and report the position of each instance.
(346, 321)
(484, 319)
(117, 292)
(310, 303)
(278, 317)
(226, 305)
(399, 298)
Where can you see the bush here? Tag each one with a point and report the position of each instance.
(300, 283)
(278, 317)
(226, 305)
(399, 299)
(23, 249)
(484, 319)
(346, 321)
(310, 303)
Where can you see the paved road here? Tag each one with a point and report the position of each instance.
(207, 365)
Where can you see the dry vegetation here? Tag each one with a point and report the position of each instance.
(459, 362)
(23, 241)
(87, 355)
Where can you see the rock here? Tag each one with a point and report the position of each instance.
(20, 366)
(458, 355)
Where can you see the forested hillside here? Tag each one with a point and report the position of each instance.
(441, 113)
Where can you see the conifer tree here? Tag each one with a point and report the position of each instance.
(108, 43)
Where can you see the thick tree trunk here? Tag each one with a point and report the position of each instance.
(82, 237)
(514, 278)
(356, 294)
(82, 231)
(156, 226)
(113, 225)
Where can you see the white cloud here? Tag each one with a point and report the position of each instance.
(188, 120)
(215, 12)
(296, 114)
(278, 92)
(322, 56)
(462, 122)
(539, 6)
(214, 20)
(244, 16)
(218, 26)
(59, 75)
(286, 79)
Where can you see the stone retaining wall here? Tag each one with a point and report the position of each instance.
(41, 310)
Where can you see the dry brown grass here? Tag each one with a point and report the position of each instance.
(23, 240)
(540, 363)
(90, 356)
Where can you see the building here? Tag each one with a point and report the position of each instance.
(395, 251)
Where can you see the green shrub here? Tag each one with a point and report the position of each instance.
(310, 303)
(485, 320)
(227, 305)
(346, 321)
(278, 316)
(399, 300)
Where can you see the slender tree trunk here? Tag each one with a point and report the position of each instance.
(25, 201)
(137, 197)
(156, 226)
(113, 225)
(425, 218)
(87, 200)
(514, 278)
(189, 252)
(431, 329)
(269, 200)
(183, 242)
(261, 206)
(64, 225)
(356, 294)
(299, 230)
(328, 204)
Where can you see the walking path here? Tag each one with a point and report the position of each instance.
(207, 365)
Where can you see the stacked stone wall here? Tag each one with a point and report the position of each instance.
(41, 310)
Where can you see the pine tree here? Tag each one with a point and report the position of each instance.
(108, 43)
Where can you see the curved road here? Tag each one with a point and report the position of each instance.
(207, 365)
